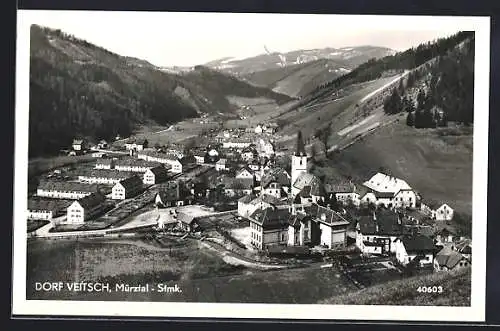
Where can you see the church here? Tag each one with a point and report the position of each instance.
(303, 221)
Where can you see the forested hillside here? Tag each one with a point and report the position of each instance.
(398, 62)
(79, 89)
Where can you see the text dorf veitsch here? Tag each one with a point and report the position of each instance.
(105, 287)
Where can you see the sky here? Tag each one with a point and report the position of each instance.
(188, 39)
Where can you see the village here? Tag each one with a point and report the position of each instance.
(235, 193)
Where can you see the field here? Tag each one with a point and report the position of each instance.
(436, 162)
(456, 291)
(202, 274)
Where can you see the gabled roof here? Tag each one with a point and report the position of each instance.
(418, 243)
(271, 218)
(340, 187)
(385, 224)
(106, 173)
(448, 257)
(92, 200)
(297, 219)
(275, 175)
(131, 182)
(169, 193)
(326, 215)
(133, 162)
(185, 218)
(384, 183)
(247, 198)
(64, 186)
(240, 184)
(307, 179)
(159, 171)
(53, 205)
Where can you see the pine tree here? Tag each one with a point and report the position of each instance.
(409, 119)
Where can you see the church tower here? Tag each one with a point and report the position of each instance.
(299, 160)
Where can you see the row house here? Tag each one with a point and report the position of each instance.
(237, 143)
(46, 209)
(103, 176)
(135, 165)
(65, 189)
(136, 145)
(170, 159)
(84, 209)
(126, 188)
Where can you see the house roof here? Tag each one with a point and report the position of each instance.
(448, 257)
(53, 205)
(159, 171)
(131, 182)
(271, 218)
(106, 173)
(64, 186)
(92, 200)
(275, 175)
(384, 183)
(165, 156)
(239, 183)
(326, 215)
(297, 219)
(385, 223)
(77, 141)
(133, 162)
(169, 192)
(247, 198)
(185, 218)
(383, 195)
(418, 243)
(269, 199)
(340, 187)
(307, 179)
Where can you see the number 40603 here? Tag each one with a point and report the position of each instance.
(430, 289)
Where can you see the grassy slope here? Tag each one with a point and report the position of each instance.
(456, 291)
(439, 167)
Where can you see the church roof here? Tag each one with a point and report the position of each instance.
(301, 149)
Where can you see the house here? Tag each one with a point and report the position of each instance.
(299, 229)
(416, 216)
(258, 129)
(155, 175)
(248, 154)
(245, 172)
(269, 226)
(221, 165)
(389, 191)
(187, 222)
(254, 165)
(169, 195)
(449, 259)
(238, 186)
(376, 234)
(164, 158)
(332, 227)
(238, 143)
(415, 249)
(99, 154)
(248, 204)
(126, 188)
(83, 209)
(445, 235)
(313, 193)
(65, 190)
(133, 145)
(199, 159)
(443, 213)
(344, 192)
(79, 145)
(265, 148)
(46, 209)
(275, 182)
(103, 176)
(102, 144)
(135, 165)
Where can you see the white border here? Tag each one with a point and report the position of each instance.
(475, 313)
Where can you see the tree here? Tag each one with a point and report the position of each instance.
(410, 120)
(146, 143)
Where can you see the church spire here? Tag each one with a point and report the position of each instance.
(301, 150)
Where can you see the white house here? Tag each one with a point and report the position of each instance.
(126, 188)
(244, 172)
(389, 191)
(265, 148)
(65, 190)
(443, 213)
(135, 165)
(105, 164)
(102, 144)
(135, 145)
(376, 234)
(83, 209)
(103, 176)
(78, 145)
(220, 165)
(237, 143)
(344, 192)
(247, 154)
(416, 248)
(170, 159)
(155, 175)
(332, 227)
(258, 129)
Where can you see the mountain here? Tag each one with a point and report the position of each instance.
(80, 89)
(347, 56)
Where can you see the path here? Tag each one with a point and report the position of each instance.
(369, 95)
